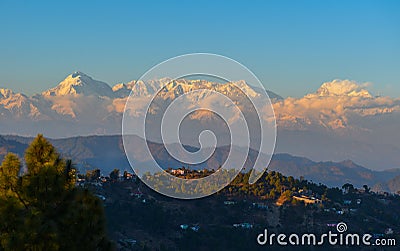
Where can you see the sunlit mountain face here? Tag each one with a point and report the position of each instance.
(341, 120)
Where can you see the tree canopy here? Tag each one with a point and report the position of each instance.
(42, 209)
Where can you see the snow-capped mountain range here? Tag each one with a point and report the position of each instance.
(71, 98)
(341, 120)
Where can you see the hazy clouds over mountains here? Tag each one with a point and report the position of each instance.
(341, 120)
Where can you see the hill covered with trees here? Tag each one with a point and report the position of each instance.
(142, 219)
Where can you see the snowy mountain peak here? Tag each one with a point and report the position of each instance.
(5, 93)
(122, 90)
(343, 88)
(118, 87)
(77, 74)
(180, 86)
(78, 83)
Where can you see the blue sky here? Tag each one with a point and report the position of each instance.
(292, 46)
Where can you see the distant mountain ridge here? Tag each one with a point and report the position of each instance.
(341, 120)
(106, 153)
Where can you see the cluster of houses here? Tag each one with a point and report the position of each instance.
(138, 195)
(98, 182)
(348, 206)
(244, 225)
(82, 180)
(229, 202)
(127, 243)
(178, 171)
(255, 205)
(388, 231)
(260, 205)
(183, 171)
(194, 228)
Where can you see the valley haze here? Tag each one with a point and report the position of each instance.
(107, 153)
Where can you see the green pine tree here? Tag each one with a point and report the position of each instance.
(42, 209)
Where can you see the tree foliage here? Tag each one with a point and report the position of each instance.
(93, 175)
(41, 153)
(114, 175)
(42, 209)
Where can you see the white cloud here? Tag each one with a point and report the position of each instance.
(333, 106)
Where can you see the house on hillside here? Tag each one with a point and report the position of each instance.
(243, 225)
(307, 200)
(260, 205)
(138, 194)
(127, 243)
(178, 171)
(129, 176)
(389, 231)
(227, 202)
(194, 228)
(353, 210)
(101, 197)
(104, 179)
(347, 202)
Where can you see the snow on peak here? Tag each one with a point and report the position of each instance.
(118, 87)
(179, 86)
(80, 83)
(343, 88)
(79, 74)
(5, 93)
(122, 90)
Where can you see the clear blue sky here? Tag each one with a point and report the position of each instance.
(292, 46)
